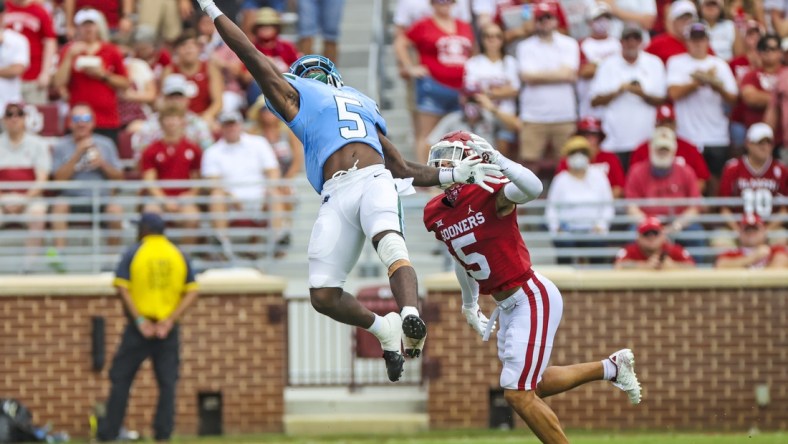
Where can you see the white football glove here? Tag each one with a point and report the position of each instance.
(483, 149)
(476, 319)
(472, 170)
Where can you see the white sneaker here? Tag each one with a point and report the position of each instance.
(390, 339)
(626, 379)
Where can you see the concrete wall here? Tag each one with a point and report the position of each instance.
(233, 340)
(702, 340)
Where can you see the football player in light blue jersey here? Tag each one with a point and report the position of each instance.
(352, 164)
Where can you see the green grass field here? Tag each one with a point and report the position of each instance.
(493, 437)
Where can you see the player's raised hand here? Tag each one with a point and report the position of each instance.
(483, 149)
(477, 320)
(471, 170)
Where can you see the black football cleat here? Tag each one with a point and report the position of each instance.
(394, 364)
(414, 332)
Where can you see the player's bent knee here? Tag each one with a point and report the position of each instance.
(393, 252)
(323, 299)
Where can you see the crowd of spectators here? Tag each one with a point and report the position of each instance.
(661, 99)
(665, 99)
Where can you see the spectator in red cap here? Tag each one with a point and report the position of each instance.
(686, 153)
(173, 157)
(664, 178)
(92, 71)
(758, 84)
(548, 63)
(681, 14)
(591, 129)
(652, 250)
(753, 251)
(702, 87)
(629, 87)
(31, 19)
(756, 177)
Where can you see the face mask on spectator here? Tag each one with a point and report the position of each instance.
(601, 26)
(577, 161)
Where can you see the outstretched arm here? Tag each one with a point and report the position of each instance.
(282, 96)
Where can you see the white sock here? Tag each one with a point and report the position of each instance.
(409, 310)
(610, 369)
(377, 325)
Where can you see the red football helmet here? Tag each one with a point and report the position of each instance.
(451, 149)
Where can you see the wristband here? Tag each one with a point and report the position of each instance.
(446, 176)
(213, 11)
(140, 320)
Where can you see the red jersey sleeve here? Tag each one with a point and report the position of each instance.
(679, 254)
(47, 25)
(726, 181)
(751, 78)
(119, 67)
(696, 161)
(147, 159)
(629, 252)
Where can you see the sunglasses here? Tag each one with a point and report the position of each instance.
(651, 233)
(10, 114)
(84, 118)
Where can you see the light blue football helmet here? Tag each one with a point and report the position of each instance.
(317, 67)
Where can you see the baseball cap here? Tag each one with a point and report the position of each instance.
(682, 7)
(751, 220)
(267, 16)
(544, 8)
(230, 117)
(589, 124)
(598, 10)
(151, 222)
(575, 143)
(663, 137)
(178, 84)
(88, 15)
(665, 113)
(759, 131)
(696, 30)
(631, 29)
(649, 224)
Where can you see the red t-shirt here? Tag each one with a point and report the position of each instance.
(631, 252)
(202, 100)
(761, 81)
(608, 162)
(740, 66)
(444, 55)
(110, 8)
(741, 252)
(490, 248)
(282, 52)
(756, 188)
(666, 46)
(681, 182)
(172, 162)
(686, 154)
(35, 23)
(95, 92)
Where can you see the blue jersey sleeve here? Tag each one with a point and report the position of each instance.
(123, 270)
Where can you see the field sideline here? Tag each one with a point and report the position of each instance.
(493, 437)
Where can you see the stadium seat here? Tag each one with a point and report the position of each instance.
(51, 126)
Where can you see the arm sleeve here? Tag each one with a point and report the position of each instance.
(524, 186)
(123, 270)
(468, 286)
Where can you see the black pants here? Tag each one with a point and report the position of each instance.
(133, 350)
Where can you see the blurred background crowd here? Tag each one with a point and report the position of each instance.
(604, 99)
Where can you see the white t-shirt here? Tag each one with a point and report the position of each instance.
(551, 102)
(15, 50)
(721, 38)
(637, 7)
(579, 204)
(481, 74)
(239, 164)
(594, 51)
(409, 12)
(628, 120)
(700, 116)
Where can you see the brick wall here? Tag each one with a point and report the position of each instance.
(699, 354)
(233, 343)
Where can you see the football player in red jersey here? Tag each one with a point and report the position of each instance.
(757, 178)
(482, 234)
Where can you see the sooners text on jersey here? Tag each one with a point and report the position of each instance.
(490, 248)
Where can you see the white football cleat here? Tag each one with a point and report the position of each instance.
(390, 339)
(626, 379)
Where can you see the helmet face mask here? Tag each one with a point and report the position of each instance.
(318, 68)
